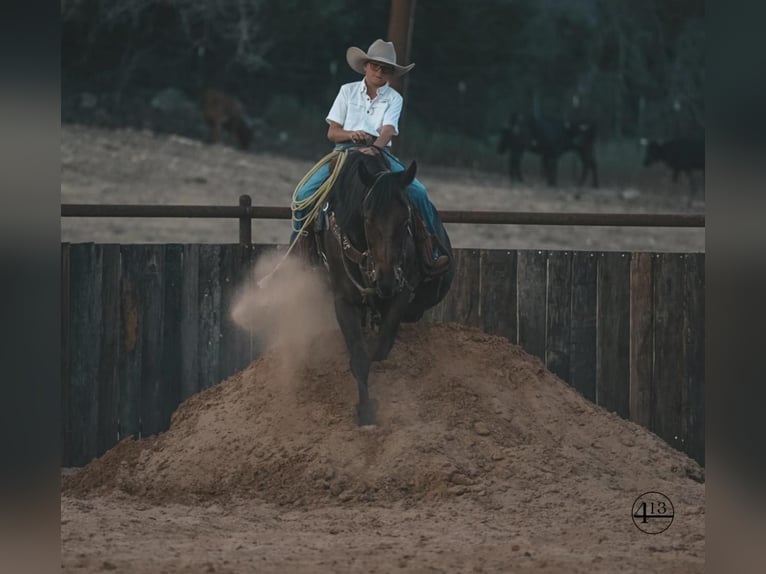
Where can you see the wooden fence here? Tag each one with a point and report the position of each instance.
(146, 326)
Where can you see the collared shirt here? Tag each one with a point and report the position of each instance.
(354, 110)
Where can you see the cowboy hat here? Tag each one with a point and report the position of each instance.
(381, 52)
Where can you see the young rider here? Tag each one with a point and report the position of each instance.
(367, 112)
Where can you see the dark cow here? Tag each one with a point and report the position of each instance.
(681, 155)
(549, 139)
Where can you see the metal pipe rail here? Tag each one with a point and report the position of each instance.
(246, 212)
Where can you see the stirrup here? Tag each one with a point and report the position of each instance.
(437, 267)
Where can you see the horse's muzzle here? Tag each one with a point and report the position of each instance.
(385, 292)
(386, 285)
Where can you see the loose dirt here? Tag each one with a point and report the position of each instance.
(129, 166)
(483, 461)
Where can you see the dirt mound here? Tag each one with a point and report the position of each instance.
(461, 413)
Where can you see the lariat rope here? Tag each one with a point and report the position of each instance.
(317, 199)
(319, 196)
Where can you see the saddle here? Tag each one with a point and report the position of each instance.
(310, 249)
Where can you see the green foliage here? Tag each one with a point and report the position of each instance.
(636, 68)
(295, 123)
(453, 149)
(621, 159)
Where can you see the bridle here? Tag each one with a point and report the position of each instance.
(364, 260)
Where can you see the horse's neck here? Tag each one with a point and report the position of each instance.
(355, 233)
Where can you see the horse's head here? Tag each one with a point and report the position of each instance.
(386, 211)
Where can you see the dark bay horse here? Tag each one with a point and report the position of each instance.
(377, 279)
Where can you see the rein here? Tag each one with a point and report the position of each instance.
(349, 252)
(362, 258)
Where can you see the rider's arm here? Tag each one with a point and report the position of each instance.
(386, 133)
(336, 134)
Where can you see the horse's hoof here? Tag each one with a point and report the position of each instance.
(381, 355)
(365, 414)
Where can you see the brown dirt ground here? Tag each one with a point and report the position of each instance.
(128, 166)
(483, 461)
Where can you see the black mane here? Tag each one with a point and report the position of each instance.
(387, 190)
(349, 191)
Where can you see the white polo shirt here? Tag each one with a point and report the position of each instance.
(354, 110)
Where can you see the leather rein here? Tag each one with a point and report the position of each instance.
(363, 259)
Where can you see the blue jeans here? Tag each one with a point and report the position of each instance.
(416, 190)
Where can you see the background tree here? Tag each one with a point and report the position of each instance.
(636, 68)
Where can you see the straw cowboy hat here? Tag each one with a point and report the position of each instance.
(381, 52)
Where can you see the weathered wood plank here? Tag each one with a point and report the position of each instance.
(85, 345)
(582, 357)
(613, 333)
(235, 341)
(433, 315)
(559, 314)
(641, 338)
(461, 305)
(436, 313)
(694, 412)
(258, 344)
(152, 327)
(172, 334)
(140, 333)
(669, 378)
(108, 381)
(131, 347)
(497, 293)
(66, 336)
(531, 280)
(190, 376)
(209, 347)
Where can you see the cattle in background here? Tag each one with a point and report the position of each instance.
(681, 155)
(549, 139)
(225, 113)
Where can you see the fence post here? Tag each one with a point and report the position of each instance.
(245, 221)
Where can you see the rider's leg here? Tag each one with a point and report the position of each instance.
(419, 197)
(306, 190)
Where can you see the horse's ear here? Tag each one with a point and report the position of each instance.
(367, 178)
(409, 174)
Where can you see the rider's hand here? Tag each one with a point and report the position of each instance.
(360, 136)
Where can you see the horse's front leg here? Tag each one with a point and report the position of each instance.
(515, 166)
(390, 327)
(350, 321)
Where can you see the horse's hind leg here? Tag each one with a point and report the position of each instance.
(594, 171)
(350, 321)
(515, 166)
(588, 163)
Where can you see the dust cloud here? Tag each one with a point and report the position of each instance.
(288, 307)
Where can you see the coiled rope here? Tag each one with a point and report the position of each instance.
(316, 200)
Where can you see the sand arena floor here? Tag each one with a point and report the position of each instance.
(483, 460)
